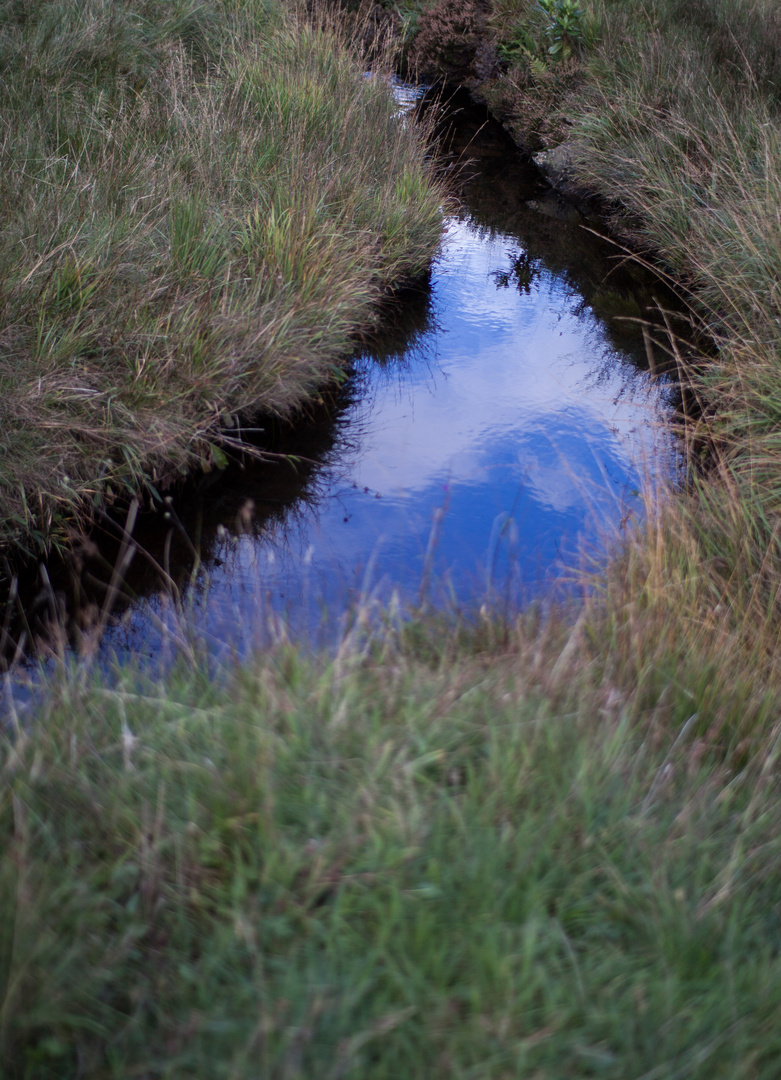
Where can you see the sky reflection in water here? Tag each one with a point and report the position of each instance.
(508, 435)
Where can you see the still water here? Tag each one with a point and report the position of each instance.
(494, 435)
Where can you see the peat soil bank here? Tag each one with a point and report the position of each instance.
(491, 442)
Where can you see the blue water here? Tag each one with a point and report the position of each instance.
(492, 444)
(505, 447)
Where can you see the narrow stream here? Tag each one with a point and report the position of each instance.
(498, 432)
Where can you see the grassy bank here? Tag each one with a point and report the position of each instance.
(200, 203)
(670, 112)
(493, 862)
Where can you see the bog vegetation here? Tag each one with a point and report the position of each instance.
(542, 849)
(199, 205)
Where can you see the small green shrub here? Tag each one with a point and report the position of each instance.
(553, 30)
(565, 30)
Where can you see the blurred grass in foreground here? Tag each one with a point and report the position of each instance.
(444, 854)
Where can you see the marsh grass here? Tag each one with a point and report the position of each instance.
(199, 206)
(542, 848)
(450, 852)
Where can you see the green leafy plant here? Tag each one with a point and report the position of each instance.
(565, 30)
(564, 33)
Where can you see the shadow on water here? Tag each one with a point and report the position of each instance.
(500, 417)
(502, 192)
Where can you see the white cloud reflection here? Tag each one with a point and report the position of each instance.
(507, 364)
